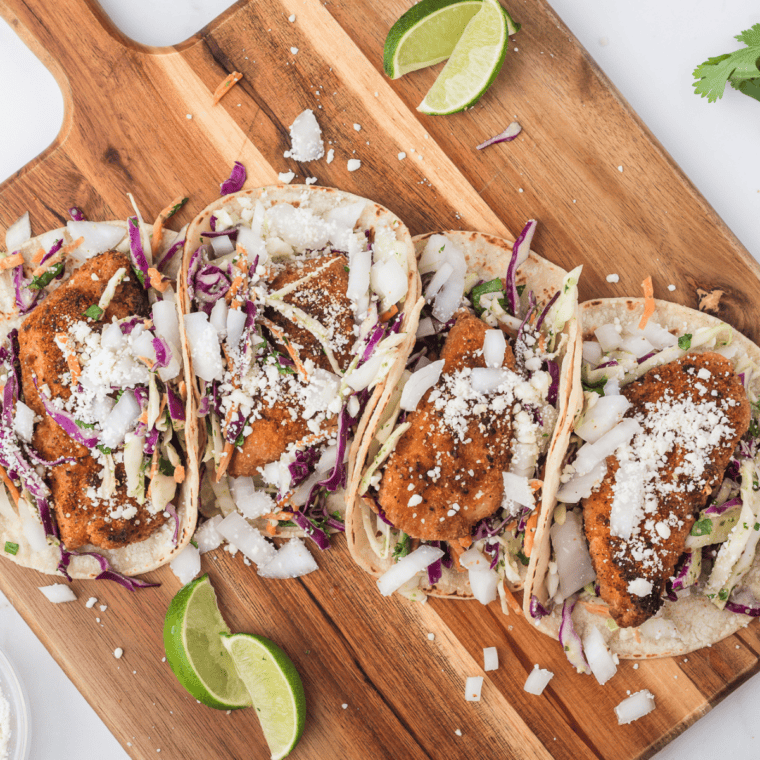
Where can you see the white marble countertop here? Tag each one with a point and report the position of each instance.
(648, 49)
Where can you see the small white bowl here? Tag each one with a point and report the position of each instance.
(19, 745)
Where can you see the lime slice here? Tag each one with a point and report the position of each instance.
(426, 34)
(275, 688)
(193, 630)
(474, 64)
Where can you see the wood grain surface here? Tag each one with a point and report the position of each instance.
(140, 120)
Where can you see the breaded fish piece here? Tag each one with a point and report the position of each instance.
(322, 297)
(80, 519)
(436, 485)
(708, 384)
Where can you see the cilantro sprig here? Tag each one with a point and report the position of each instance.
(739, 68)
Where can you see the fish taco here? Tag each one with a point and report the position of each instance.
(650, 550)
(297, 305)
(92, 434)
(453, 468)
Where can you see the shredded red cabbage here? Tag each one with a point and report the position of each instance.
(204, 407)
(66, 421)
(176, 408)
(303, 465)
(26, 298)
(568, 637)
(679, 577)
(509, 134)
(139, 261)
(714, 509)
(435, 572)
(315, 534)
(536, 609)
(77, 215)
(53, 250)
(107, 573)
(548, 306)
(553, 393)
(212, 222)
(169, 255)
(151, 440)
(163, 352)
(236, 180)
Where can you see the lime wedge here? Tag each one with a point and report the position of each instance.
(426, 34)
(275, 688)
(474, 63)
(193, 630)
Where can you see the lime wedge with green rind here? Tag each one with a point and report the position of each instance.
(426, 34)
(474, 63)
(193, 630)
(275, 688)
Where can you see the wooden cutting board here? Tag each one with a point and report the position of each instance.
(606, 195)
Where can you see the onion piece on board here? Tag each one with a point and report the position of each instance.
(292, 560)
(187, 564)
(407, 567)
(598, 656)
(537, 680)
(635, 707)
(58, 592)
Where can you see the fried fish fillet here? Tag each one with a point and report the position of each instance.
(436, 484)
(81, 519)
(708, 384)
(322, 297)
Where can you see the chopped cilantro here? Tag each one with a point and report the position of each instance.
(194, 542)
(85, 425)
(684, 342)
(176, 207)
(525, 561)
(104, 449)
(46, 277)
(723, 594)
(403, 547)
(597, 387)
(756, 526)
(739, 68)
(165, 467)
(345, 268)
(94, 312)
(492, 286)
(140, 276)
(702, 527)
(10, 547)
(520, 289)
(240, 439)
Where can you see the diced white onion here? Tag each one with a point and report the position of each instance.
(592, 352)
(328, 458)
(18, 233)
(484, 584)
(434, 254)
(580, 486)
(32, 526)
(487, 379)
(343, 219)
(222, 245)
(637, 345)
(101, 407)
(253, 244)
(187, 564)
(474, 559)
(437, 282)
(602, 417)
(425, 327)
(635, 707)
(224, 501)
(121, 419)
(99, 237)
(245, 537)
(360, 264)
(407, 567)
(207, 536)
(58, 593)
(572, 556)
(658, 336)
(388, 280)
(490, 659)
(218, 316)
(608, 336)
(419, 384)
(472, 688)
(292, 560)
(235, 324)
(112, 336)
(251, 503)
(494, 347)
(23, 421)
(598, 656)
(204, 346)
(517, 488)
(301, 495)
(141, 344)
(628, 502)
(450, 295)
(360, 378)
(537, 680)
(590, 453)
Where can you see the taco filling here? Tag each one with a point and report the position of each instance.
(458, 461)
(297, 314)
(658, 502)
(90, 450)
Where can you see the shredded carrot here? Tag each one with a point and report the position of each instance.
(284, 515)
(271, 529)
(38, 256)
(71, 360)
(224, 462)
(465, 541)
(157, 280)
(147, 361)
(182, 389)
(279, 335)
(637, 635)
(179, 474)
(648, 302)
(542, 341)
(153, 470)
(530, 532)
(144, 417)
(158, 226)
(511, 601)
(72, 246)
(229, 82)
(596, 609)
(58, 257)
(386, 315)
(236, 283)
(11, 261)
(11, 485)
(536, 484)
